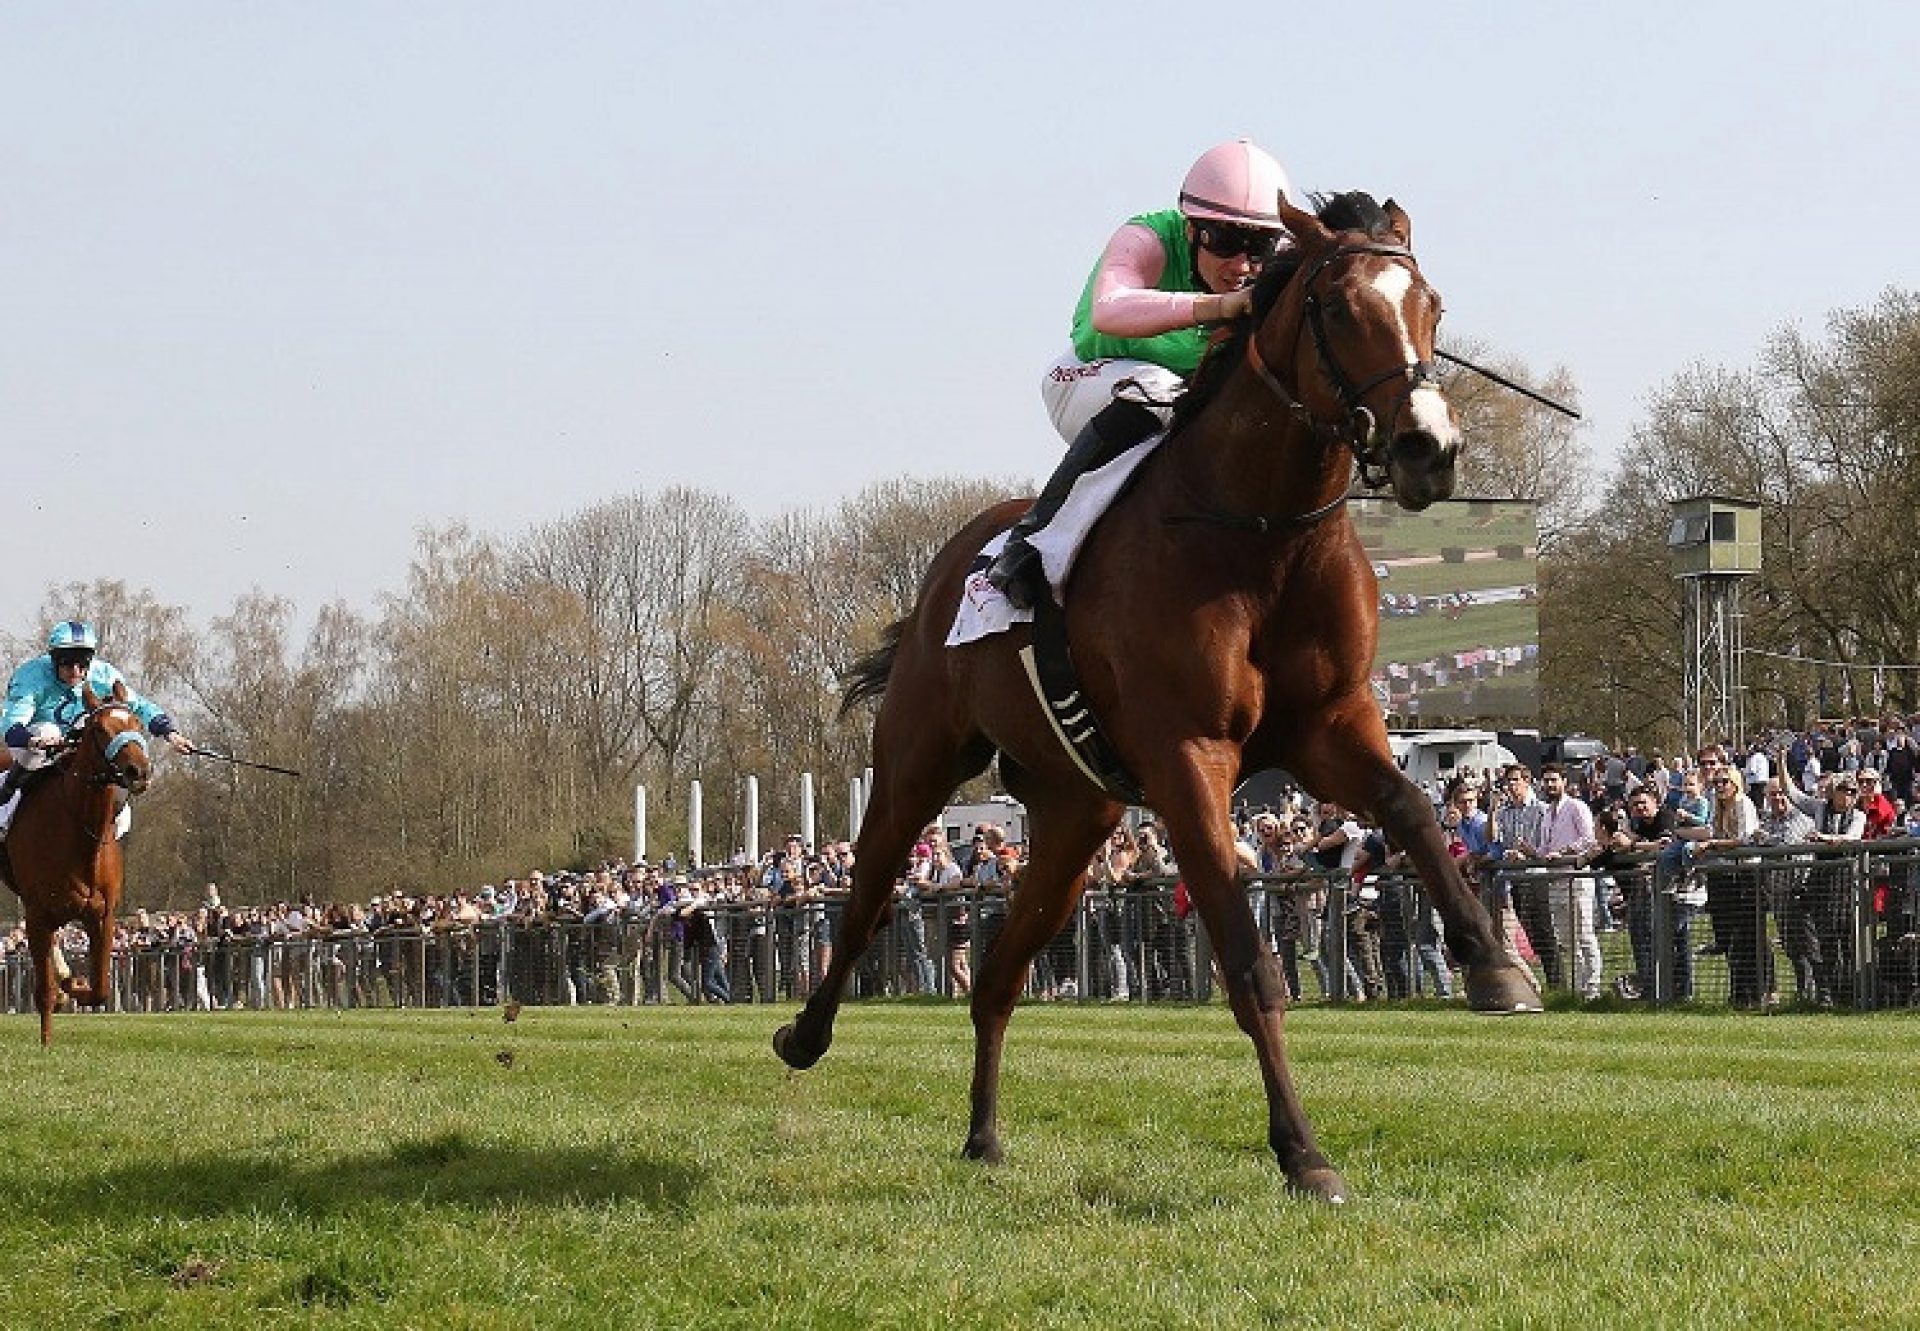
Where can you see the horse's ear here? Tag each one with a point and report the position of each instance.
(1402, 224)
(88, 696)
(1305, 228)
(119, 690)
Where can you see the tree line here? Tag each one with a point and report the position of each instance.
(1823, 432)
(495, 714)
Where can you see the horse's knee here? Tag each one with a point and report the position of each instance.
(1401, 803)
(1267, 983)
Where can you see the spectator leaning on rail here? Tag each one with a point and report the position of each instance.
(1736, 899)
(1819, 933)
(1879, 810)
(1566, 837)
(1648, 826)
(1519, 827)
(1798, 896)
(1139, 326)
(45, 698)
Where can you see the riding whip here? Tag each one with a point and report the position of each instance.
(199, 752)
(1522, 390)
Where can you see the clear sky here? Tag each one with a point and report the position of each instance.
(281, 282)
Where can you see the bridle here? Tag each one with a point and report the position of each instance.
(111, 774)
(1359, 431)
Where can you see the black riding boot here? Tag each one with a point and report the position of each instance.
(1117, 427)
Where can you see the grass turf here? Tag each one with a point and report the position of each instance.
(659, 1168)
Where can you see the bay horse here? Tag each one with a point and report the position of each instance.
(1222, 619)
(63, 856)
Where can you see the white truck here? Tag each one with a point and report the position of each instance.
(959, 820)
(1430, 758)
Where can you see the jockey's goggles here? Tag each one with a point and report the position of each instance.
(72, 656)
(1226, 240)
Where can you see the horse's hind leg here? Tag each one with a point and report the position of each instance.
(913, 776)
(1065, 832)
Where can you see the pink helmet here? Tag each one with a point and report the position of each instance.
(1235, 182)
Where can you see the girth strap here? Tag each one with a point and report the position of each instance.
(1049, 666)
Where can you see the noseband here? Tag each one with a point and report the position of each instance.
(1358, 431)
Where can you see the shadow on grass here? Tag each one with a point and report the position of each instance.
(444, 1170)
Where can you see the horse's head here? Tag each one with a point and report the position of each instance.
(109, 743)
(1361, 322)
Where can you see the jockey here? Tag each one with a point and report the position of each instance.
(1139, 325)
(44, 701)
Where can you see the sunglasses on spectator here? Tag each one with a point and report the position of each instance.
(1226, 240)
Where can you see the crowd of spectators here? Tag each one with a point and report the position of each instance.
(1573, 852)
(1563, 855)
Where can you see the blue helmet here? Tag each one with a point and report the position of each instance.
(73, 635)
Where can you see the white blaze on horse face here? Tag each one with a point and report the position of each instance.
(1426, 404)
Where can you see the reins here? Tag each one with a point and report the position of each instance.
(1359, 432)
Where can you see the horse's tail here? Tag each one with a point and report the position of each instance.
(867, 676)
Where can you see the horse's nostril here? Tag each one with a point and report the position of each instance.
(1415, 445)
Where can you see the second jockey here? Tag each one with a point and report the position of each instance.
(1162, 278)
(45, 699)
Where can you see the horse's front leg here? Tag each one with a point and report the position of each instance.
(46, 980)
(1194, 797)
(1348, 761)
(97, 991)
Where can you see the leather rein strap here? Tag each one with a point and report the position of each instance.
(1359, 431)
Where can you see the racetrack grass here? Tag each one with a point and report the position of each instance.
(658, 1168)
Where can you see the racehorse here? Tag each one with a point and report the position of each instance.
(63, 858)
(1222, 619)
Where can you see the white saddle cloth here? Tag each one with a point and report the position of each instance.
(983, 610)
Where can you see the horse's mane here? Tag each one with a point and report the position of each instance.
(1354, 210)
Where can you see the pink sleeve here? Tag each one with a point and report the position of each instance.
(1125, 303)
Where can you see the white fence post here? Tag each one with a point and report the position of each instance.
(695, 829)
(806, 809)
(752, 844)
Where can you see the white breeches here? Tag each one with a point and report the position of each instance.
(1075, 390)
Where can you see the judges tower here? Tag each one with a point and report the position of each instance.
(1715, 542)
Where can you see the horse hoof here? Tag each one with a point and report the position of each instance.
(787, 1045)
(984, 1149)
(1502, 991)
(1323, 1184)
